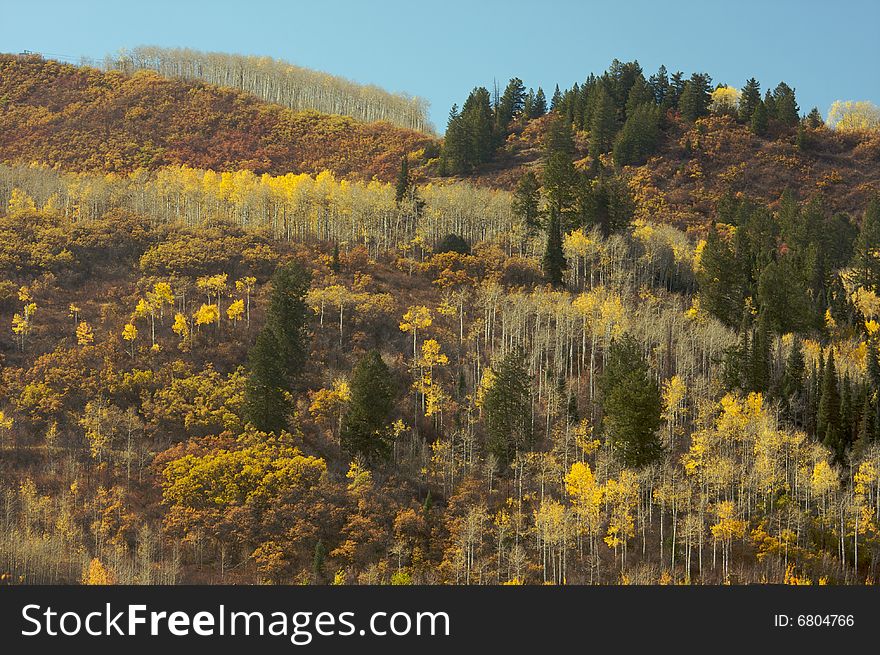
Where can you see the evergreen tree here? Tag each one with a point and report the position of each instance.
(846, 412)
(866, 263)
(793, 379)
(560, 177)
(508, 409)
(526, 202)
(695, 97)
(288, 318)
(511, 104)
(607, 203)
(760, 356)
(553, 263)
(676, 88)
(828, 428)
(749, 100)
(658, 83)
(866, 433)
(639, 94)
(783, 298)
(631, 404)
(759, 119)
(556, 100)
(814, 119)
(365, 425)
(539, 107)
(639, 135)
(265, 402)
(403, 181)
(603, 125)
(720, 278)
(785, 105)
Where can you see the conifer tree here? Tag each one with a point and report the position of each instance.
(265, 402)
(539, 107)
(695, 97)
(639, 135)
(556, 100)
(659, 85)
(631, 404)
(760, 356)
(288, 317)
(866, 260)
(749, 100)
(553, 263)
(526, 202)
(785, 105)
(759, 119)
(814, 119)
(720, 280)
(403, 181)
(508, 409)
(365, 425)
(828, 428)
(603, 124)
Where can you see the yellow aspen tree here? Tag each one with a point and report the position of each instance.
(97, 574)
(84, 334)
(246, 285)
(130, 333)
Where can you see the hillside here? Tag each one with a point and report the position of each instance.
(230, 355)
(280, 82)
(82, 119)
(697, 164)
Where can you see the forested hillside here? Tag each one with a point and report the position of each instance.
(278, 81)
(82, 119)
(627, 334)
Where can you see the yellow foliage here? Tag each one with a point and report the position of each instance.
(97, 574)
(854, 116)
(84, 335)
(130, 332)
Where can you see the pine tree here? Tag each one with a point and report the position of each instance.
(539, 107)
(828, 428)
(676, 88)
(866, 434)
(556, 100)
(659, 85)
(403, 181)
(511, 104)
(785, 105)
(793, 379)
(560, 177)
(760, 356)
(759, 119)
(526, 202)
(749, 100)
(265, 402)
(603, 124)
(607, 203)
(866, 262)
(631, 404)
(814, 119)
(846, 412)
(695, 97)
(288, 317)
(639, 94)
(553, 263)
(365, 425)
(508, 409)
(639, 135)
(721, 280)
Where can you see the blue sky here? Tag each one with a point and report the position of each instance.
(440, 50)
